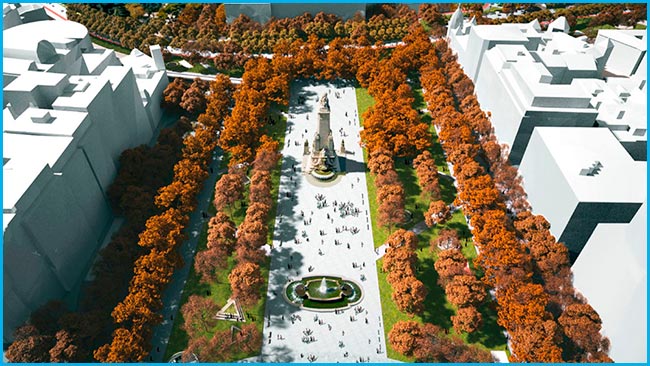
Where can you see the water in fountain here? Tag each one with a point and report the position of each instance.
(323, 286)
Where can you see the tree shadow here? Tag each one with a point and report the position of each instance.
(461, 228)
(447, 188)
(298, 91)
(278, 354)
(353, 165)
(290, 181)
(490, 334)
(412, 190)
(277, 308)
(437, 151)
(435, 311)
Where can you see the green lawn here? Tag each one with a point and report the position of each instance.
(419, 102)
(198, 68)
(364, 101)
(234, 73)
(110, 46)
(276, 131)
(414, 202)
(220, 290)
(438, 310)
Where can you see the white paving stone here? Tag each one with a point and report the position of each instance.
(359, 339)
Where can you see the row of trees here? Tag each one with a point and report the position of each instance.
(246, 279)
(409, 293)
(198, 27)
(599, 14)
(428, 343)
(462, 289)
(264, 82)
(550, 262)
(392, 126)
(136, 315)
(390, 192)
(260, 87)
(53, 334)
(508, 262)
(427, 174)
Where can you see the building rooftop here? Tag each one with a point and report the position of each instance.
(500, 33)
(30, 80)
(595, 164)
(632, 37)
(25, 157)
(30, 36)
(45, 122)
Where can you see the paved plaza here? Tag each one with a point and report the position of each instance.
(299, 249)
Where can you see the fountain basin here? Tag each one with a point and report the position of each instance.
(324, 175)
(323, 293)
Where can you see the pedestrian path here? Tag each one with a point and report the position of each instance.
(172, 295)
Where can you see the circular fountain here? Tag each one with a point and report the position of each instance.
(323, 293)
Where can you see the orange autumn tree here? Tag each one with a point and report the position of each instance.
(125, 347)
(409, 294)
(198, 315)
(582, 325)
(450, 263)
(522, 310)
(164, 231)
(229, 189)
(339, 62)
(380, 162)
(173, 94)
(465, 290)
(245, 282)
(437, 214)
(404, 336)
(391, 205)
(218, 102)
(427, 173)
(193, 99)
(467, 319)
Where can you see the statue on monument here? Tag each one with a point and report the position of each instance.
(324, 102)
(322, 155)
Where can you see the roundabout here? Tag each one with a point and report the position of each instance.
(323, 293)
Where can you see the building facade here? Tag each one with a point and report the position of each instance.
(69, 110)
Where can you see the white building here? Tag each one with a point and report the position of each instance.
(575, 117)
(527, 77)
(612, 273)
(593, 193)
(579, 178)
(69, 110)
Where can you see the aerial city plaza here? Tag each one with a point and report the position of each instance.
(321, 183)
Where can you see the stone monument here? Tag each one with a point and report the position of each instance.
(321, 162)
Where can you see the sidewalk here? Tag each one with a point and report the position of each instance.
(172, 295)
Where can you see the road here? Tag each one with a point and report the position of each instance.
(194, 75)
